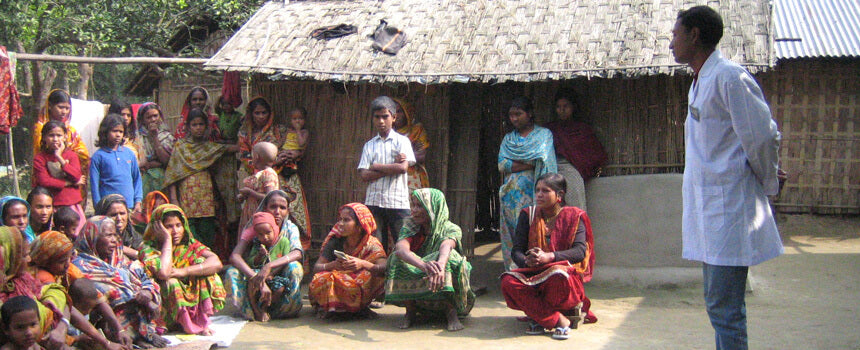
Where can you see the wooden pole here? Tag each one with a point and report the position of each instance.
(14, 168)
(22, 56)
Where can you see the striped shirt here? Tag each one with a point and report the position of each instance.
(391, 192)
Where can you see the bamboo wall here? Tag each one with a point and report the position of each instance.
(340, 123)
(817, 105)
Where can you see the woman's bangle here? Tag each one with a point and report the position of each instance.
(66, 321)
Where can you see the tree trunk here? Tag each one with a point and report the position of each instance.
(86, 71)
(26, 71)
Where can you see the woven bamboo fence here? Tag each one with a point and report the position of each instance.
(817, 106)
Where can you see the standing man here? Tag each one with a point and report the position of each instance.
(731, 167)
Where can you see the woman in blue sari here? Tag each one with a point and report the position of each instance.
(526, 153)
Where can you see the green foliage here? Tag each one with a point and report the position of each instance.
(7, 185)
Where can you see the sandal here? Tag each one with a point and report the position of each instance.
(534, 328)
(561, 333)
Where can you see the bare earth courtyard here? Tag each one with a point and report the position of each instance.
(808, 298)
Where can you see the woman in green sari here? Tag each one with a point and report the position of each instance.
(427, 271)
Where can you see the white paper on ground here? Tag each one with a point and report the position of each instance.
(224, 329)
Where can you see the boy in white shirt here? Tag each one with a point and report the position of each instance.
(384, 161)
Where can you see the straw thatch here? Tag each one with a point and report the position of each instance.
(485, 41)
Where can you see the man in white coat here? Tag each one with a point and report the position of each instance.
(731, 145)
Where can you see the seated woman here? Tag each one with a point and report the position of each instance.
(41, 211)
(115, 207)
(15, 280)
(186, 269)
(15, 212)
(350, 271)
(267, 264)
(134, 297)
(554, 250)
(427, 271)
(51, 256)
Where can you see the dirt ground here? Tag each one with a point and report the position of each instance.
(807, 298)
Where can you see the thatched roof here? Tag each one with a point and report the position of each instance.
(481, 40)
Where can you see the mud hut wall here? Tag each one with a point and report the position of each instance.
(816, 103)
(339, 123)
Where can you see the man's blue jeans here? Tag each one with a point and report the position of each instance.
(724, 299)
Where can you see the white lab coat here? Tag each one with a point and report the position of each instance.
(730, 168)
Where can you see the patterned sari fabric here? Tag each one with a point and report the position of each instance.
(130, 237)
(188, 301)
(417, 173)
(517, 190)
(153, 178)
(49, 247)
(73, 139)
(406, 282)
(28, 233)
(545, 292)
(119, 279)
(289, 276)
(350, 291)
(16, 280)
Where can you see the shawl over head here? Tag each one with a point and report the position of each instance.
(365, 221)
(49, 247)
(214, 132)
(130, 237)
(441, 229)
(263, 217)
(15, 280)
(413, 128)
(157, 216)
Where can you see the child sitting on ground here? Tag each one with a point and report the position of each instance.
(20, 317)
(256, 186)
(84, 297)
(66, 220)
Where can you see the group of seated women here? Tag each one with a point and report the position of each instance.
(134, 288)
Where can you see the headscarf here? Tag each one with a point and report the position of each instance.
(149, 203)
(413, 128)
(188, 252)
(214, 132)
(73, 139)
(165, 138)
(368, 227)
(441, 229)
(130, 237)
(28, 233)
(288, 239)
(270, 133)
(118, 277)
(49, 247)
(263, 217)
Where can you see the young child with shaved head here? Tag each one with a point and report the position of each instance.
(264, 179)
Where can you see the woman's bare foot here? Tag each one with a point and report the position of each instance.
(158, 341)
(453, 321)
(206, 332)
(143, 344)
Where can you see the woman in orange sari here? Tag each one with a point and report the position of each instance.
(554, 250)
(406, 124)
(350, 272)
(58, 107)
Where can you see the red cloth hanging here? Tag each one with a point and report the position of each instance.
(231, 91)
(10, 102)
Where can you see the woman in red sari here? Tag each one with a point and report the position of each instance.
(554, 250)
